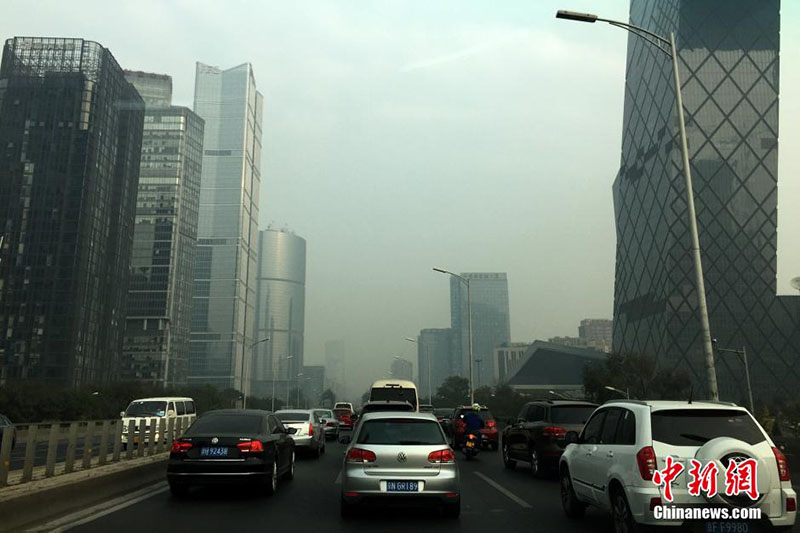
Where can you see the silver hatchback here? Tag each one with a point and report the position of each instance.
(398, 457)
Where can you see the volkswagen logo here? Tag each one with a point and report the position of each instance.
(401, 457)
(214, 440)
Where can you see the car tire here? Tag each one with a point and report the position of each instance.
(290, 472)
(452, 510)
(346, 510)
(508, 462)
(621, 513)
(573, 507)
(535, 462)
(179, 490)
(271, 481)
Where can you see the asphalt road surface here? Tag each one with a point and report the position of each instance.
(493, 500)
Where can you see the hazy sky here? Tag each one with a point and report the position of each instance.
(403, 135)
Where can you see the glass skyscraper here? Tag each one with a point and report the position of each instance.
(280, 311)
(729, 62)
(490, 323)
(223, 306)
(156, 347)
(434, 344)
(70, 139)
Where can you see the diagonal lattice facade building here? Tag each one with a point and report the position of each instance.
(729, 65)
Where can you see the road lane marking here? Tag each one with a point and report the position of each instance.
(510, 495)
(338, 479)
(91, 514)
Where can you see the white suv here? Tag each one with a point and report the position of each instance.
(611, 464)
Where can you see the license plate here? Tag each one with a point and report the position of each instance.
(402, 486)
(727, 527)
(470, 444)
(215, 451)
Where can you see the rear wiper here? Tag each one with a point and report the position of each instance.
(692, 436)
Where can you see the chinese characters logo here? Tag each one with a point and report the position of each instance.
(740, 478)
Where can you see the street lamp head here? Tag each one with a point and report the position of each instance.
(443, 271)
(409, 339)
(573, 15)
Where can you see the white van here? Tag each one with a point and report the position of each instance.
(143, 410)
(394, 390)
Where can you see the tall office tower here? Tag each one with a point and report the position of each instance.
(223, 306)
(401, 369)
(596, 333)
(729, 66)
(490, 323)
(71, 133)
(434, 348)
(156, 346)
(335, 368)
(313, 384)
(280, 311)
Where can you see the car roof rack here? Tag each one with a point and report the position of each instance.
(624, 400)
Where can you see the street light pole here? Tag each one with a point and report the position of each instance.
(743, 354)
(297, 384)
(469, 328)
(428, 358)
(668, 47)
(614, 389)
(244, 394)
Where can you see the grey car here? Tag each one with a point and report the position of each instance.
(330, 424)
(308, 434)
(399, 457)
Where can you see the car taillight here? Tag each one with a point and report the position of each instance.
(330, 424)
(553, 431)
(251, 446)
(491, 423)
(311, 429)
(442, 456)
(179, 446)
(357, 455)
(646, 459)
(783, 465)
(791, 505)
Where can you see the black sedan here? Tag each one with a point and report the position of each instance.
(232, 446)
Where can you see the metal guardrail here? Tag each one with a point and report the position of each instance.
(56, 448)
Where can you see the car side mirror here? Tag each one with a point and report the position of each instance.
(571, 437)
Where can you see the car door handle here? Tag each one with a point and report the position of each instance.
(610, 454)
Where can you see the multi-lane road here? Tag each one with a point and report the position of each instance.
(493, 499)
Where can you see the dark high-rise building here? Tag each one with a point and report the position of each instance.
(223, 306)
(401, 369)
(729, 65)
(434, 349)
(280, 311)
(490, 323)
(156, 347)
(70, 138)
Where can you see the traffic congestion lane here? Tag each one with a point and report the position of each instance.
(492, 498)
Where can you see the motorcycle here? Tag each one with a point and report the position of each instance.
(471, 446)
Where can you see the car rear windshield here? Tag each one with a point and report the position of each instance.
(293, 417)
(695, 427)
(393, 394)
(400, 431)
(571, 414)
(324, 414)
(148, 408)
(383, 407)
(234, 424)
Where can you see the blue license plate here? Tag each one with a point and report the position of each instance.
(727, 527)
(214, 451)
(402, 486)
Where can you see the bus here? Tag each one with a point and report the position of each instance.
(394, 390)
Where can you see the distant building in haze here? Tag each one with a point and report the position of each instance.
(335, 368)
(71, 138)
(434, 345)
(313, 384)
(156, 346)
(223, 307)
(490, 322)
(280, 310)
(507, 359)
(596, 333)
(546, 367)
(401, 369)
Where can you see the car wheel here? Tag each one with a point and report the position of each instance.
(573, 507)
(179, 490)
(452, 510)
(621, 513)
(290, 472)
(508, 462)
(271, 482)
(535, 463)
(346, 510)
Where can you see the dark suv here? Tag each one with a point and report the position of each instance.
(537, 436)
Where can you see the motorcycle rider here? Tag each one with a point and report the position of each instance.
(473, 423)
